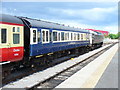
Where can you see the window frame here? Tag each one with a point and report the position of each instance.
(31, 36)
(57, 36)
(14, 28)
(72, 39)
(13, 38)
(75, 36)
(68, 37)
(43, 42)
(79, 36)
(16, 32)
(63, 36)
(6, 35)
(82, 37)
(39, 36)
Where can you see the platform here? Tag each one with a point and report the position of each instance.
(100, 73)
(110, 76)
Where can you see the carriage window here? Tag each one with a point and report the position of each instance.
(62, 36)
(71, 36)
(46, 36)
(87, 36)
(3, 36)
(78, 36)
(81, 36)
(38, 36)
(65, 36)
(13, 29)
(43, 36)
(74, 36)
(34, 36)
(50, 36)
(16, 38)
(18, 29)
(54, 36)
(59, 36)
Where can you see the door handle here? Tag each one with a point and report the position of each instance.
(9, 45)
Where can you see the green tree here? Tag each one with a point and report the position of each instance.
(113, 36)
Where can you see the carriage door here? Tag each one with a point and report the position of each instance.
(16, 43)
(33, 36)
(11, 43)
(4, 45)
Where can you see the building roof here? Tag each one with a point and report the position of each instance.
(104, 32)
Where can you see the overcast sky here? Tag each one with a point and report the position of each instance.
(93, 15)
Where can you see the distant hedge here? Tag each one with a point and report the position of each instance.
(114, 36)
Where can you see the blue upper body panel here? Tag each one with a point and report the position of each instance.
(38, 49)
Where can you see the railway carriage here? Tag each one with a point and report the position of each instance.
(11, 39)
(47, 37)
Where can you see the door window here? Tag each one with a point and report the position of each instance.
(34, 36)
(62, 36)
(16, 35)
(39, 36)
(47, 36)
(58, 36)
(13, 29)
(54, 36)
(81, 36)
(16, 39)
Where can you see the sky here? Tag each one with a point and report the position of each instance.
(92, 15)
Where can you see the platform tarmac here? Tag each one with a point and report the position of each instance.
(100, 73)
(109, 79)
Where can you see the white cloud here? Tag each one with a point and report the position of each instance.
(111, 29)
(97, 14)
(8, 11)
(87, 15)
(94, 14)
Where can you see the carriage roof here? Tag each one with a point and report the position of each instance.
(46, 24)
(10, 19)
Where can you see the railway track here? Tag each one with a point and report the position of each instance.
(55, 79)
